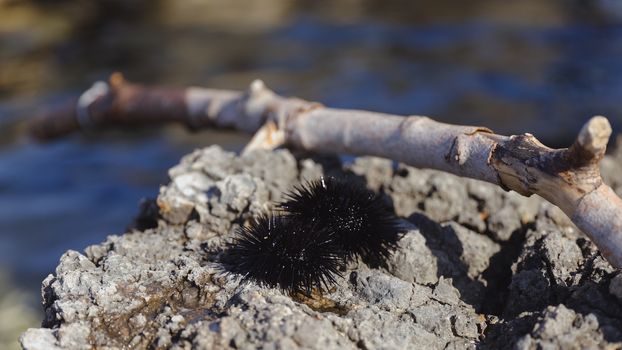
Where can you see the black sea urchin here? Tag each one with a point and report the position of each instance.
(363, 222)
(277, 251)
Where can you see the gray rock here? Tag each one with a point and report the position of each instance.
(476, 249)
(382, 290)
(378, 172)
(414, 261)
(445, 292)
(39, 339)
(378, 329)
(561, 328)
(477, 267)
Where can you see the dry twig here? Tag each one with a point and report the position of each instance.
(569, 178)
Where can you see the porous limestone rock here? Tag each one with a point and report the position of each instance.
(476, 267)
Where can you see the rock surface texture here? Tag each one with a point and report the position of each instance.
(477, 268)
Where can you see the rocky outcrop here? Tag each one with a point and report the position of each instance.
(477, 267)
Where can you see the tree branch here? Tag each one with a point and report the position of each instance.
(568, 178)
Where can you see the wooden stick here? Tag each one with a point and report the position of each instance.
(569, 178)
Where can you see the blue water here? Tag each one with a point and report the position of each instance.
(468, 65)
(70, 194)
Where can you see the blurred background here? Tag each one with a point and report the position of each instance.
(515, 66)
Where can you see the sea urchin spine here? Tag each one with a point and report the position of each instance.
(363, 223)
(277, 251)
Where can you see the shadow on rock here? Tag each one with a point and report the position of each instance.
(447, 247)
